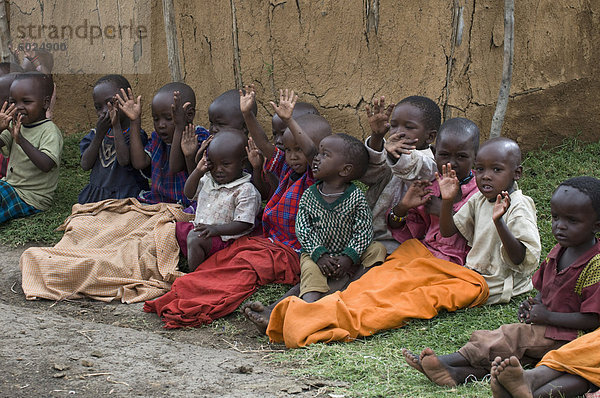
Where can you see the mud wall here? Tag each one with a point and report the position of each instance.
(340, 55)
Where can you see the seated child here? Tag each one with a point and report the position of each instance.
(229, 201)
(34, 145)
(414, 280)
(105, 149)
(506, 250)
(333, 224)
(569, 371)
(568, 302)
(165, 186)
(413, 124)
(223, 281)
(416, 216)
(224, 114)
(6, 80)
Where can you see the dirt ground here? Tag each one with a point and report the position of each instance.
(90, 349)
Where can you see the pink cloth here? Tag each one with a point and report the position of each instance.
(426, 228)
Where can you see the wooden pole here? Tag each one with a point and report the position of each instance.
(509, 28)
(171, 36)
(4, 33)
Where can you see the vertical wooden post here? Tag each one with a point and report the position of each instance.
(171, 36)
(509, 28)
(4, 32)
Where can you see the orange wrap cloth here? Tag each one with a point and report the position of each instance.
(116, 249)
(579, 357)
(412, 283)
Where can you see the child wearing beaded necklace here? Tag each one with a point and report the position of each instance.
(334, 224)
(105, 150)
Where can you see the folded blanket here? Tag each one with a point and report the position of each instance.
(412, 283)
(113, 249)
(221, 283)
(579, 357)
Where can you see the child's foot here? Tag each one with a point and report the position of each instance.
(498, 391)
(435, 369)
(510, 374)
(258, 314)
(413, 360)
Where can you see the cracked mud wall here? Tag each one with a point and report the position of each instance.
(340, 55)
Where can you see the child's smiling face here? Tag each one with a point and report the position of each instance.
(456, 149)
(496, 170)
(408, 120)
(294, 156)
(29, 99)
(164, 125)
(574, 221)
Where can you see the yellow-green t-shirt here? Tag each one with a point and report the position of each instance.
(35, 187)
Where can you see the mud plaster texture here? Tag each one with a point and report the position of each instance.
(91, 349)
(340, 55)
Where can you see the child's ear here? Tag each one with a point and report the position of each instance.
(47, 100)
(190, 113)
(597, 226)
(431, 137)
(347, 170)
(518, 172)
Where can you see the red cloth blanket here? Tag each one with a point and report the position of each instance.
(221, 283)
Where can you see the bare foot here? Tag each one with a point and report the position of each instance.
(510, 374)
(435, 369)
(498, 391)
(258, 314)
(413, 360)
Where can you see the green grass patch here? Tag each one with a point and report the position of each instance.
(372, 367)
(40, 228)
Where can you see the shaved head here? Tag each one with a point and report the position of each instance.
(505, 146)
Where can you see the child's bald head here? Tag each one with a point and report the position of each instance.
(505, 148)
(186, 92)
(315, 126)
(226, 154)
(225, 112)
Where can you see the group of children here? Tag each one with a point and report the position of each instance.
(318, 230)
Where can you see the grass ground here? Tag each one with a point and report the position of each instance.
(374, 366)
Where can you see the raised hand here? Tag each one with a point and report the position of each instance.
(254, 155)
(178, 111)
(379, 116)
(16, 128)
(189, 141)
(128, 105)
(287, 102)
(327, 264)
(398, 145)
(418, 194)
(7, 112)
(202, 149)
(247, 100)
(501, 206)
(449, 186)
(206, 230)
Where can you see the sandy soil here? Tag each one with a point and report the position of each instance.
(90, 349)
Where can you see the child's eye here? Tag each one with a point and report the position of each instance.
(497, 170)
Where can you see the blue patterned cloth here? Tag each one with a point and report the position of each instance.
(11, 205)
